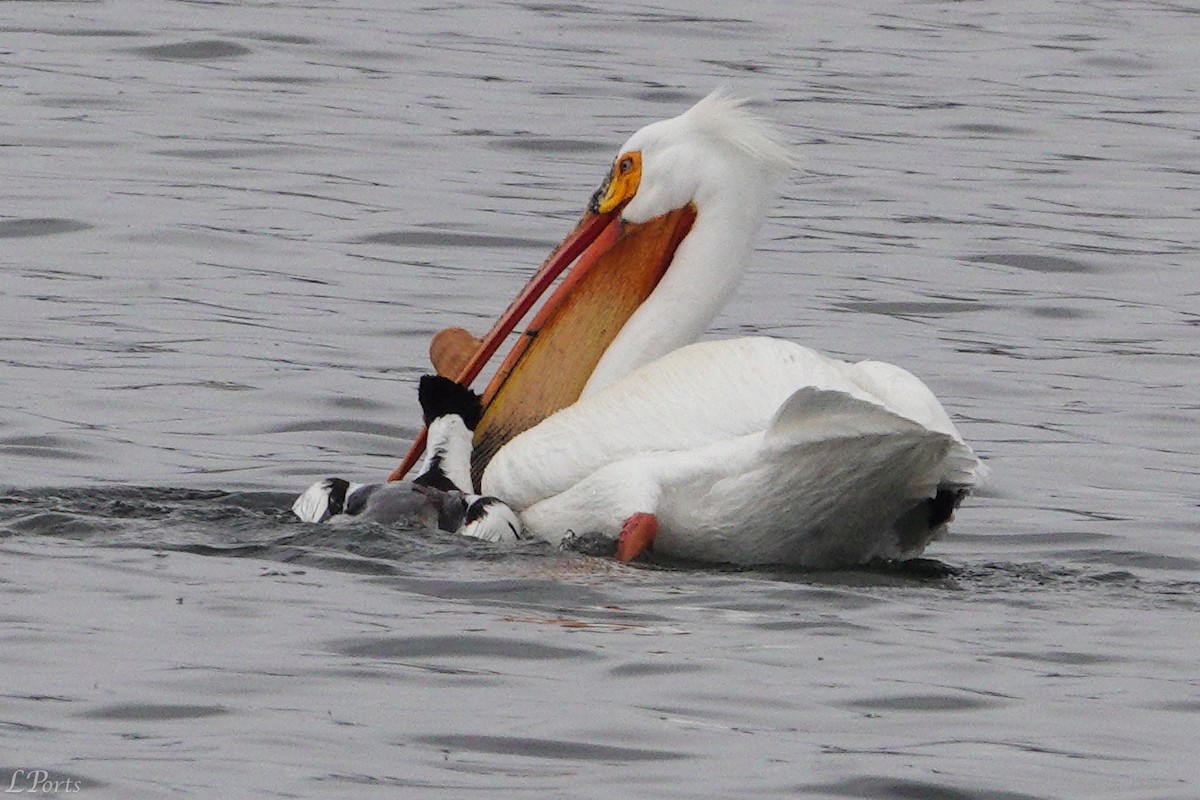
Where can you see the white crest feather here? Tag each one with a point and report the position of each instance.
(724, 117)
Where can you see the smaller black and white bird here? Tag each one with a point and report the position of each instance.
(440, 497)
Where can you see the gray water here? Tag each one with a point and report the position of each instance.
(229, 230)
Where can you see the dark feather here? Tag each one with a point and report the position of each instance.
(337, 495)
(435, 477)
(941, 507)
(440, 396)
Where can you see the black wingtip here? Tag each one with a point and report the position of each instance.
(942, 506)
(441, 396)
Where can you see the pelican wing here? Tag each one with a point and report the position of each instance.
(690, 399)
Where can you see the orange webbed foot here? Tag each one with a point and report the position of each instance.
(637, 536)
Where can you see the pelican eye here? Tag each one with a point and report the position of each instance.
(621, 183)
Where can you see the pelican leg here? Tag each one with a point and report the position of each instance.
(637, 536)
(617, 502)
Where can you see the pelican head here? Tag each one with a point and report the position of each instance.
(715, 153)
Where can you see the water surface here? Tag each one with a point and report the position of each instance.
(230, 230)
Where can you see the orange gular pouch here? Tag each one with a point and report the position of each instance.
(458, 355)
(549, 365)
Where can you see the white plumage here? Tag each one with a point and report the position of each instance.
(751, 450)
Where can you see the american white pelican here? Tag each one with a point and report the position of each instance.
(440, 497)
(607, 418)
